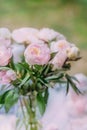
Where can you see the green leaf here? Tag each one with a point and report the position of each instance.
(4, 68)
(10, 99)
(41, 103)
(11, 64)
(18, 67)
(53, 55)
(73, 85)
(43, 82)
(46, 69)
(25, 65)
(46, 94)
(2, 97)
(75, 88)
(67, 89)
(24, 80)
(74, 78)
(54, 77)
(67, 66)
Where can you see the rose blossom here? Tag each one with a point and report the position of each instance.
(7, 76)
(47, 34)
(58, 60)
(37, 54)
(60, 45)
(5, 55)
(22, 35)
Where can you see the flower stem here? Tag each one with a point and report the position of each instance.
(29, 102)
(33, 120)
(23, 112)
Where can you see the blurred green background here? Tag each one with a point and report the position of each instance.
(69, 17)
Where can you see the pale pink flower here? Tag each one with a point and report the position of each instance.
(5, 37)
(60, 45)
(2, 73)
(37, 54)
(5, 42)
(60, 37)
(47, 34)
(58, 60)
(77, 104)
(51, 126)
(7, 76)
(3, 78)
(5, 33)
(33, 39)
(5, 55)
(11, 74)
(7, 122)
(18, 52)
(73, 52)
(79, 123)
(22, 35)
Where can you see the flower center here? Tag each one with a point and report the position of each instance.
(35, 51)
(61, 45)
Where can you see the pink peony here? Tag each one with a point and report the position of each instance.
(37, 54)
(47, 34)
(5, 37)
(33, 39)
(7, 122)
(5, 33)
(11, 74)
(60, 37)
(58, 60)
(76, 104)
(24, 34)
(79, 123)
(18, 52)
(51, 126)
(5, 42)
(7, 76)
(60, 45)
(5, 55)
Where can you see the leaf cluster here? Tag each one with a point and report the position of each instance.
(35, 78)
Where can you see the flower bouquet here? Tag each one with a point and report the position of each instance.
(32, 61)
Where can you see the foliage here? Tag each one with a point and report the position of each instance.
(29, 80)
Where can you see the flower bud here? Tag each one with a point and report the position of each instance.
(73, 53)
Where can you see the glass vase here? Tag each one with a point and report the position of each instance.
(28, 113)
